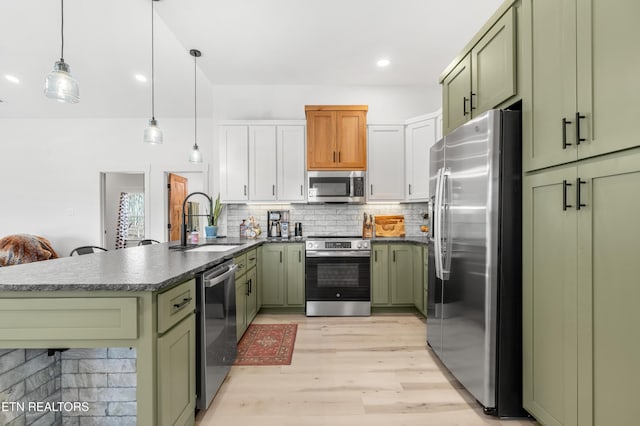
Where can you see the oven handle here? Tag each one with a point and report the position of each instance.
(339, 253)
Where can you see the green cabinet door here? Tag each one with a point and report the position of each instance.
(550, 91)
(401, 273)
(418, 291)
(380, 275)
(608, 67)
(609, 291)
(241, 306)
(251, 281)
(549, 297)
(295, 274)
(493, 59)
(456, 93)
(177, 374)
(272, 274)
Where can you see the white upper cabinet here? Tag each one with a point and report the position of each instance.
(262, 163)
(234, 164)
(420, 136)
(386, 157)
(291, 164)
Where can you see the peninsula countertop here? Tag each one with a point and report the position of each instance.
(144, 268)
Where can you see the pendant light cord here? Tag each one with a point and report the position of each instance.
(153, 89)
(195, 103)
(62, 31)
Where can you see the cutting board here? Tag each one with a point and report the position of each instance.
(390, 226)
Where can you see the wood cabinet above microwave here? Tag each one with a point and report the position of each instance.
(336, 137)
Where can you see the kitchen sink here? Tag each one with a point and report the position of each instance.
(214, 247)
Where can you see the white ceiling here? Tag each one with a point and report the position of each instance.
(244, 42)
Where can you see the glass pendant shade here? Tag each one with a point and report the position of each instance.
(153, 134)
(195, 156)
(60, 85)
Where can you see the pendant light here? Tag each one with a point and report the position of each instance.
(59, 84)
(195, 156)
(152, 134)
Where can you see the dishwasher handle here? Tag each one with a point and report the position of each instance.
(210, 279)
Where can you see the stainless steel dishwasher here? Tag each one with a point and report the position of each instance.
(216, 346)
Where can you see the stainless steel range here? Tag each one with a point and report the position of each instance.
(338, 278)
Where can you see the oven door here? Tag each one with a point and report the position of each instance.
(338, 276)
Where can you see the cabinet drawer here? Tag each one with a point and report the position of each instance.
(241, 261)
(69, 318)
(175, 304)
(252, 258)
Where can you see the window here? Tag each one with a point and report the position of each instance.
(135, 231)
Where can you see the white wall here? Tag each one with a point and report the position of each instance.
(50, 172)
(386, 103)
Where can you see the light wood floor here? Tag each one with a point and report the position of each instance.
(373, 371)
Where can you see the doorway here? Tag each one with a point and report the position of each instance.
(179, 185)
(124, 209)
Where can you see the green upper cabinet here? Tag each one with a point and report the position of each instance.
(493, 62)
(582, 87)
(580, 290)
(484, 78)
(456, 94)
(281, 274)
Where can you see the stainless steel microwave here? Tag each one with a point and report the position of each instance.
(336, 187)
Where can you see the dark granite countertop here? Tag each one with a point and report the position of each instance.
(420, 240)
(145, 268)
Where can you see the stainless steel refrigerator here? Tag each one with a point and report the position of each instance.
(474, 314)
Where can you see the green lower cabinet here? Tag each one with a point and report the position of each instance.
(418, 290)
(295, 274)
(401, 273)
(252, 297)
(176, 372)
(580, 292)
(380, 275)
(272, 274)
(241, 306)
(396, 275)
(281, 275)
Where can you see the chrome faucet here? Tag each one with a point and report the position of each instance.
(183, 228)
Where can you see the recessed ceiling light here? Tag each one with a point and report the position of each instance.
(383, 62)
(141, 78)
(12, 79)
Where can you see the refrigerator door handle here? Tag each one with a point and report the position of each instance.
(437, 232)
(446, 223)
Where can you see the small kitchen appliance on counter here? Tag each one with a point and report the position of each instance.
(278, 224)
(338, 281)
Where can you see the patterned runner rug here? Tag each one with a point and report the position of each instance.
(267, 344)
